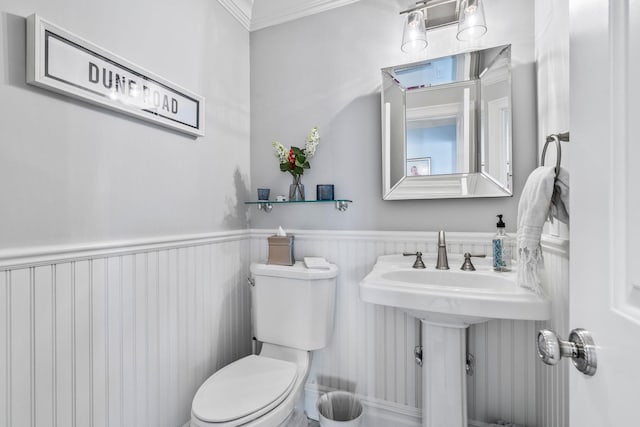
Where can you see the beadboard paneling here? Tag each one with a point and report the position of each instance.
(119, 336)
(123, 334)
(552, 382)
(371, 352)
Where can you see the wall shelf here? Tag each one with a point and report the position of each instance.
(267, 205)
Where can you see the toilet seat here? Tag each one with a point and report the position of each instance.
(244, 390)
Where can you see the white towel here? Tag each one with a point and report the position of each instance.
(560, 197)
(533, 211)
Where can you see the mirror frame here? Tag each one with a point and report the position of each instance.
(476, 183)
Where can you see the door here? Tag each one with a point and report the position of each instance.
(605, 199)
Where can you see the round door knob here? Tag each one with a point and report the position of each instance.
(549, 347)
(580, 347)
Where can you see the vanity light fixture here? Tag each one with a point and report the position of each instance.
(430, 14)
(471, 22)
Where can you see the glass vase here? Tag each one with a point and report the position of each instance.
(296, 190)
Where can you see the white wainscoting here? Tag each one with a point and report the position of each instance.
(371, 353)
(120, 334)
(552, 383)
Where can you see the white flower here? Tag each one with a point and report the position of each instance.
(281, 152)
(312, 143)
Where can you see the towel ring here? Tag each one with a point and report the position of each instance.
(555, 138)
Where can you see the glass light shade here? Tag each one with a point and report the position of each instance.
(414, 37)
(471, 21)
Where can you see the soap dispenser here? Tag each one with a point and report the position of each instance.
(502, 246)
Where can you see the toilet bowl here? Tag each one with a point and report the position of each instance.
(293, 310)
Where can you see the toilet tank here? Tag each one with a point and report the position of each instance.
(293, 306)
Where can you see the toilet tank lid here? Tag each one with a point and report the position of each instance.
(296, 271)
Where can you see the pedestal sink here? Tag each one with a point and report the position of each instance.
(447, 302)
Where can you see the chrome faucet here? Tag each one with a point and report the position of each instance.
(442, 263)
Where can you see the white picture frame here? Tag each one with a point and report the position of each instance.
(63, 62)
(418, 166)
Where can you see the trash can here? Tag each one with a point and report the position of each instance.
(339, 409)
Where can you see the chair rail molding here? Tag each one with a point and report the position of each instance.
(45, 255)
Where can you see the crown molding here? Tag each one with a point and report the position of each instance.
(240, 10)
(298, 10)
(278, 11)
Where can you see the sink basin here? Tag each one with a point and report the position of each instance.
(451, 280)
(451, 296)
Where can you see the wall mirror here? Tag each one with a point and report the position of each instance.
(446, 127)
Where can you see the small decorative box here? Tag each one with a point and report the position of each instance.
(324, 192)
(281, 250)
(263, 193)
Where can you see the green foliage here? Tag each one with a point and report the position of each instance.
(301, 163)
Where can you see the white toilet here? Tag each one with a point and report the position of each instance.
(293, 311)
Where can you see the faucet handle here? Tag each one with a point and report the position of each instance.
(418, 255)
(467, 265)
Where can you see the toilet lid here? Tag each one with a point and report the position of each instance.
(243, 387)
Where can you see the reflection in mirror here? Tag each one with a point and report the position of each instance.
(447, 127)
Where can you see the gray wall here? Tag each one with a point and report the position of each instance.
(73, 173)
(552, 63)
(324, 70)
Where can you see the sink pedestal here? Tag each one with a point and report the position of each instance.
(444, 377)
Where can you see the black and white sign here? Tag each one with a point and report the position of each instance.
(65, 63)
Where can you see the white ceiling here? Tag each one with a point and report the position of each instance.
(257, 14)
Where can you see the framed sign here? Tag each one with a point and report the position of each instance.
(65, 63)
